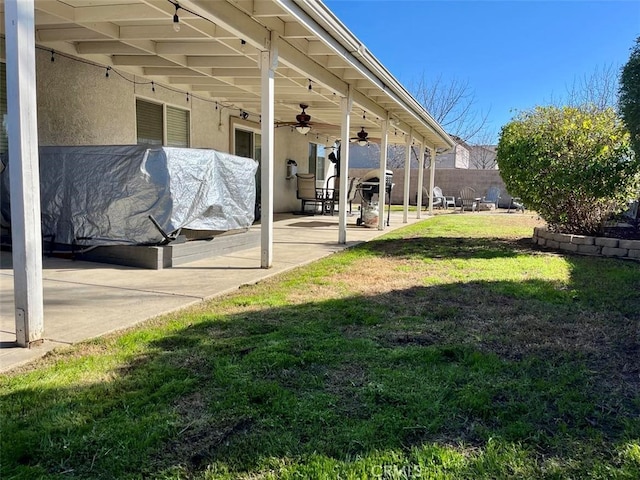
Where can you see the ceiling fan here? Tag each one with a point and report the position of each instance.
(303, 122)
(361, 138)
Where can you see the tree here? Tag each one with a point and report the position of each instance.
(452, 104)
(629, 101)
(574, 166)
(598, 89)
(482, 156)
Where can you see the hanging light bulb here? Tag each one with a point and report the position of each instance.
(176, 19)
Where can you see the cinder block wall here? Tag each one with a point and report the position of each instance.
(450, 180)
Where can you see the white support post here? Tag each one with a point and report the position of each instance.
(345, 106)
(268, 65)
(432, 176)
(420, 180)
(407, 177)
(24, 172)
(382, 176)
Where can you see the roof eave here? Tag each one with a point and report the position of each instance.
(346, 44)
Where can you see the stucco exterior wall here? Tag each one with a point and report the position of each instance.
(458, 157)
(78, 105)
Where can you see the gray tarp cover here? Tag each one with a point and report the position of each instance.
(104, 195)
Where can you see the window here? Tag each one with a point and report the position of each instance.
(317, 160)
(4, 138)
(154, 119)
(248, 143)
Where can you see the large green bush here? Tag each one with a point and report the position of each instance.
(630, 96)
(573, 165)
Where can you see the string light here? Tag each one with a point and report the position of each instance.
(176, 20)
(310, 86)
(364, 115)
(218, 105)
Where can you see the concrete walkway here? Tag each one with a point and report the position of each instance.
(85, 300)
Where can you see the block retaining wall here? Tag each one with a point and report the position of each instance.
(585, 245)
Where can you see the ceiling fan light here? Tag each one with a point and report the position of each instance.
(362, 142)
(303, 129)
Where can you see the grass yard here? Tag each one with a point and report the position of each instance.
(448, 349)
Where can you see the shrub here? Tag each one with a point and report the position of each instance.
(573, 165)
(629, 100)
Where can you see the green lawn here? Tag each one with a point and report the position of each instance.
(448, 349)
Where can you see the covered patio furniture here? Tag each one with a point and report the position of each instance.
(468, 199)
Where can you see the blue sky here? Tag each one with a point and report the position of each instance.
(514, 54)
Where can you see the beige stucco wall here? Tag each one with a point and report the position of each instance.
(79, 105)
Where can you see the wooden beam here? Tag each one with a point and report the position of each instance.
(221, 61)
(194, 48)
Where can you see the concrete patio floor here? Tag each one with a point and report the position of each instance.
(85, 300)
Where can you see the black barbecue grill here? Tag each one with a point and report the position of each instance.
(369, 189)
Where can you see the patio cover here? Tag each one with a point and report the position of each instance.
(262, 56)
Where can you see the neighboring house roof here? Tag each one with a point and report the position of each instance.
(216, 53)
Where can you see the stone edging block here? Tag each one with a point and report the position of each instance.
(587, 245)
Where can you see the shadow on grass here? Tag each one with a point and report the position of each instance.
(457, 366)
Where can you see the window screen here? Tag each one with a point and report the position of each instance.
(149, 122)
(177, 127)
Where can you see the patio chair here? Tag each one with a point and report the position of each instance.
(333, 194)
(516, 204)
(353, 190)
(446, 201)
(492, 197)
(468, 199)
(438, 198)
(307, 192)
